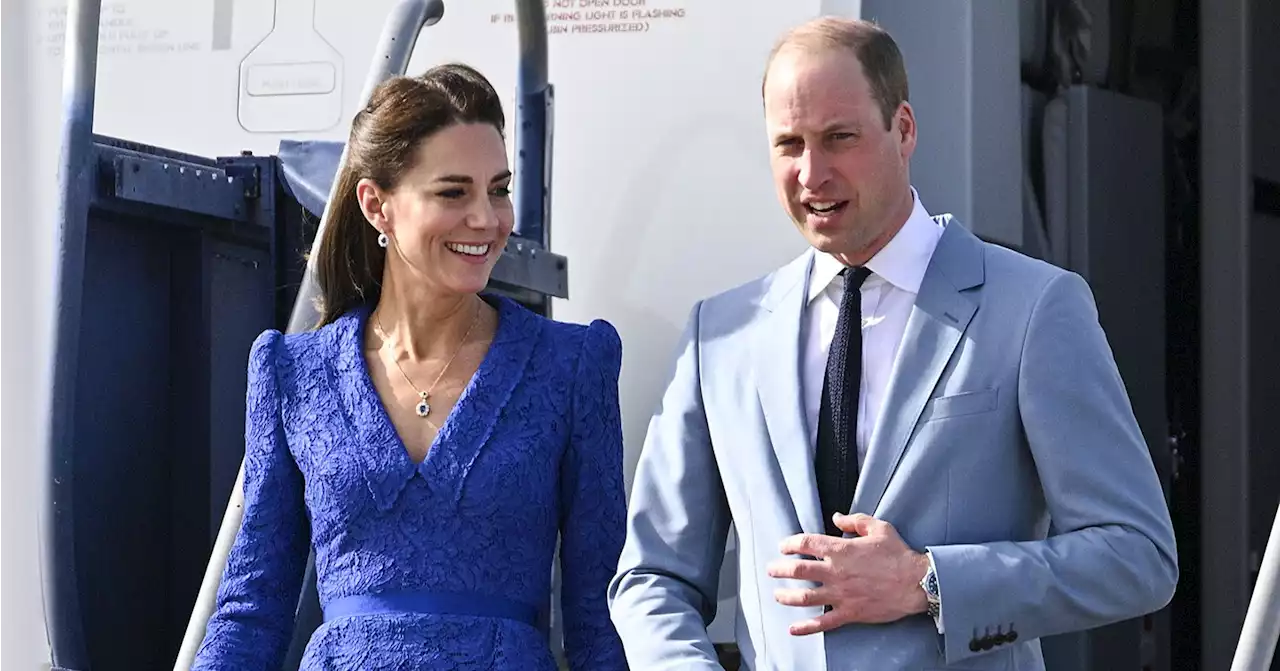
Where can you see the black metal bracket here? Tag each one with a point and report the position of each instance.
(191, 187)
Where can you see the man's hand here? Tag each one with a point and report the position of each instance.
(872, 579)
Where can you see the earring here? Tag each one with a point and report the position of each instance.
(382, 240)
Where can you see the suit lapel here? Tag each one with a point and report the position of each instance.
(934, 329)
(777, 365)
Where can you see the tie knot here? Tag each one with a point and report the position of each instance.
(854, 277)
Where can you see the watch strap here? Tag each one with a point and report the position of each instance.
(930, 586)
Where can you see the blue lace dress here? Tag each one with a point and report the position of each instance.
(532, 449)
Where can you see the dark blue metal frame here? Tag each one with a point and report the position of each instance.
(144, 437)
(534, 98)
(75, 180)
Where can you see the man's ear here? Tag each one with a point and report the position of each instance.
(904, 125)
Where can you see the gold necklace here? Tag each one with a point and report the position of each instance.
(424, 408)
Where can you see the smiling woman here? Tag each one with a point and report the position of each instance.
(419, 154)
(430, 442)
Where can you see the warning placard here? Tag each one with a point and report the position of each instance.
(124, 31)
(598, 17)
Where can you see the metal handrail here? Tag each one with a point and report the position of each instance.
(63, 618)
(1262, 621)
(533, 126)
(532, 172)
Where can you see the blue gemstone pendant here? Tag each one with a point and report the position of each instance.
(423, 408)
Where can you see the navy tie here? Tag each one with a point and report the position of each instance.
(836, 456)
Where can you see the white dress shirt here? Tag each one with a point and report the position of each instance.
(888, 295)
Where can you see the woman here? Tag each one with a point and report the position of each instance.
(428, 440)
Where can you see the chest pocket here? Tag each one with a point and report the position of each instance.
(959, 405)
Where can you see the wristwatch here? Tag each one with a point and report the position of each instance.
(930, 586)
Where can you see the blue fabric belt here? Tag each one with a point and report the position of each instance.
(432, 603)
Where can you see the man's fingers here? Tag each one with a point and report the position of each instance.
(800, 569)
(814, 545)
(825, 622)
(801, 597)
(860, 524)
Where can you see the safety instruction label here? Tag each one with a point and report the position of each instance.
(596, 17)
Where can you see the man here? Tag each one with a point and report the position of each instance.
(954, 396)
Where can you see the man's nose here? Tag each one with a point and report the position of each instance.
(814, 169)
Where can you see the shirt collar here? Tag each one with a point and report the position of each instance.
(902, 262)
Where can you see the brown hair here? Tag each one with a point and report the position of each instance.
(401, 114)
(874, 48)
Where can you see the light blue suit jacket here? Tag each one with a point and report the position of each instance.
(1005, 412)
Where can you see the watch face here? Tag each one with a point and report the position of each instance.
(931, 584)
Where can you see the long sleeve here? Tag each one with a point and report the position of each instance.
(1114, 555)
(593, 504)
(665, 592)
(253, 621)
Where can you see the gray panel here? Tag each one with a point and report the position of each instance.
(1112, 198)
(996, 99)
(1226, 347)
(1264, 388)
(1265, 91)
(1118, 223)
(1035, 239)
(965, 90)
(1056, 179)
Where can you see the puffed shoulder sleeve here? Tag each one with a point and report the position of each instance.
(253, 620)
(593, 504)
